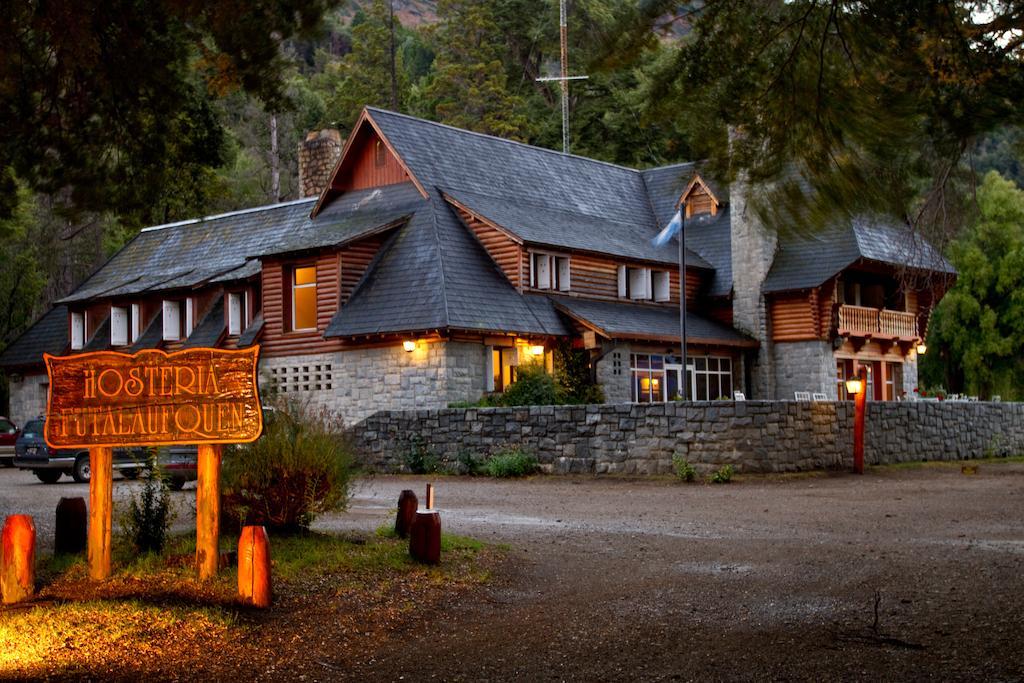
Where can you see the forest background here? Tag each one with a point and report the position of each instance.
(231, 139)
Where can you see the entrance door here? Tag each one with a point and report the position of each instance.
(673, 381)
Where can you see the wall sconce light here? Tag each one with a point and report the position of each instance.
(854, 385)
(922, 348)
(536, 350)
(409, 345)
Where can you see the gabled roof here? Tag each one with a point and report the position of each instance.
(709, 236)
(638, 321)
(49, 334)
(433, 275)
(807, 259)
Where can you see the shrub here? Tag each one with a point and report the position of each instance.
(467, 462)
(511, 462)
(299, 468)
(533, 387)
(684, 470)
(419, 459)
(148, 516)
(723, 475)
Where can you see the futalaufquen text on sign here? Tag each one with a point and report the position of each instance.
(153, 398)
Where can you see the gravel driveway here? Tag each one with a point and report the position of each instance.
(765, 578)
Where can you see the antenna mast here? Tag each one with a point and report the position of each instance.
(563, 78)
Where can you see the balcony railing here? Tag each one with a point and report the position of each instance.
(862, 321)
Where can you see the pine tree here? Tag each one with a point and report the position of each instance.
(469, 88)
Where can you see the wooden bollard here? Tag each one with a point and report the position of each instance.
(430, 496)
(425, 537)
(407, 505)
(72, 523)
(254, 586)
(17, 559)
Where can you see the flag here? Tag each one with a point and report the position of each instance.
(670, 230)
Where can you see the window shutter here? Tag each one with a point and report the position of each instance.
(622, 282)
(234, 313)
(136, 322)
(662, 286)
(77, 331)
(189, 316)
(542, 271)
(638, 283)
(563, 273)
(118, 326)
(172, 320)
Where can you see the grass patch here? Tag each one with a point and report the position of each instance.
(956, 464)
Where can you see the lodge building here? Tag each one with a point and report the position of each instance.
(430, 262)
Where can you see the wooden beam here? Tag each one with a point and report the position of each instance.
(208, 511)
(101, 487)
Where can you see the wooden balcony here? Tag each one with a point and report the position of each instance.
(877, 323)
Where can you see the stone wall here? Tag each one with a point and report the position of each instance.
(28, 398)
(614, 375)
(356, 383)
(753, 436)
(804, 366)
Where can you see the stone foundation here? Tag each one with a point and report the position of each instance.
(752, 436)
(357, 383)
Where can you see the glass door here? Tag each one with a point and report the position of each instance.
(673, 382)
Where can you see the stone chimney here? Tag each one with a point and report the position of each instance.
(318, 154)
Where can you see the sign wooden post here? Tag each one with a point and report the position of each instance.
(106, 400)
(208, 511)
(101, 502)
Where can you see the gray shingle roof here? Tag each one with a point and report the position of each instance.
(210, 328)
(807, 259)
(638, 321)
(49, 334)
(433, 275)
(152, 335)
(708, 236)
(101, 337)
(249, 334)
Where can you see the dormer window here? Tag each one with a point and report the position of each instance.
(136, 322)
(172, 320)
(236, 312)
(548, 271)
(634, 283)
(77, 330)
(120, 324)
(662, 284)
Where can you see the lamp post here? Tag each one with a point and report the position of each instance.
(685, 393)
(857, 386)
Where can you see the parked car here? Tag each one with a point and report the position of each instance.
(179, 463)
(9, 433)
(48, 464)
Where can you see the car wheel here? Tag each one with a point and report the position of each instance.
(130, 474)
(47, 476)
(83, 471)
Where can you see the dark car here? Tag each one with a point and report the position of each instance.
(9, 433)
(48, 464)
(179, 464)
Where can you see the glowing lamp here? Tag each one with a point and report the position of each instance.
(922, 348)
(854, 385)
(536, 350)
(409, 345)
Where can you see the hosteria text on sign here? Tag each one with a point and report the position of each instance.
(153, 398)
(106, 399)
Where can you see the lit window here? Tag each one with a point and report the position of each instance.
(304, 298)
(660, 378)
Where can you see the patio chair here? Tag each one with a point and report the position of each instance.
(802, 395)
(819, 396)
(738, 396)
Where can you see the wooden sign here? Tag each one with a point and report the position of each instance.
(153, 398)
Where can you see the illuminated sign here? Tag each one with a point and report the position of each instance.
(153, 398)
